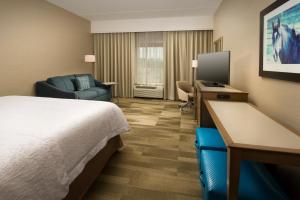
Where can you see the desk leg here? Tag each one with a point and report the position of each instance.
(118, 94)
(233, 171)
(118, 99)
(195, 105)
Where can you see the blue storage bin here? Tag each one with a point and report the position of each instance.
(256, 183)
(209, 138)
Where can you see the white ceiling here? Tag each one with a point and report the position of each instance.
(95, 10)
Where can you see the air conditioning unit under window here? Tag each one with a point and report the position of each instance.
(148, 91)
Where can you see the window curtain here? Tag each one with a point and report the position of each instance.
(181, 47)
(115, 60)
(149, 59)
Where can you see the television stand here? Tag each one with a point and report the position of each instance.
(212, 84)
(202, 92)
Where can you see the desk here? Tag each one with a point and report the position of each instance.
(202, 93)
(251, 135)
(113, 84)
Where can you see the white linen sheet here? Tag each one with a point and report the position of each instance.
(46, 142)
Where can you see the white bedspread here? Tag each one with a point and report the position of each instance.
(46, 142)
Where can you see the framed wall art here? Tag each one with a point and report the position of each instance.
(280, 40)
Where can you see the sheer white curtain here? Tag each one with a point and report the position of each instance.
(149, 59)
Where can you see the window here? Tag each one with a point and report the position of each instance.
(149, 59)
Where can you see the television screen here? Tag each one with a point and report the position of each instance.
(214, 67)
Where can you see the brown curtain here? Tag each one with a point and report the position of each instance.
(181, 47)
(115, 59)
(218, 45)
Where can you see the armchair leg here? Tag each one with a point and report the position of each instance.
(184, 105)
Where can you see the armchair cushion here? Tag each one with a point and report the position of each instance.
(64, 83)
(82, 82)
(100, 91)
(91, 79)
(86, 94)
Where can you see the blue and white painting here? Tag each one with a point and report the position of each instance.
(282, 38)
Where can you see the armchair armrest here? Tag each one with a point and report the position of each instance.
(101, 85)
(44, 89)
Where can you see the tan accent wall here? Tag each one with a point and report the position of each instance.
(39, 40)
(238, 22)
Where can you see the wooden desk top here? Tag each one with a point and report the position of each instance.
(226, 89)
(242, 125)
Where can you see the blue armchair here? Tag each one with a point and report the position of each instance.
(65, 87)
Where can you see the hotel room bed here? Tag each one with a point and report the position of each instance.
(50, 148)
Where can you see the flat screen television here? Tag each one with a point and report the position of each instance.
(214, 68)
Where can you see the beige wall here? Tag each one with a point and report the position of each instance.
(38, 40)
(238, 22)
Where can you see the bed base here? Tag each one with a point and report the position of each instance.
(93, 169)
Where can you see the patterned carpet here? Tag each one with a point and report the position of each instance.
(158, 158)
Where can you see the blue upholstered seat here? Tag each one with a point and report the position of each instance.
(256, 183)
(98, 90)
(209, 138)
(86, 94)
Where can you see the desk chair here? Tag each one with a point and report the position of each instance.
(185, 92)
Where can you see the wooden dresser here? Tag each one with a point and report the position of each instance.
(202, 93)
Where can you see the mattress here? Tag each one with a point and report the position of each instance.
(46, 142)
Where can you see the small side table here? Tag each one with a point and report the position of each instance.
(113, 84)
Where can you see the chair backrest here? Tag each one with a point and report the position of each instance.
(184, 85)
(183, 90)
